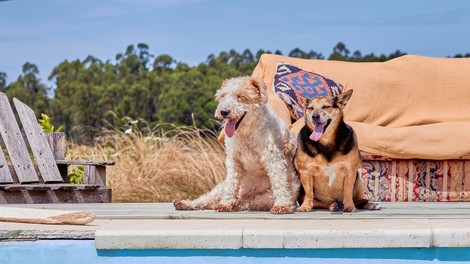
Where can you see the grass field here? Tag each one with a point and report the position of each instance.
(157, 164)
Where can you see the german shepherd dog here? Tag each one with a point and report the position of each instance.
(328, 158)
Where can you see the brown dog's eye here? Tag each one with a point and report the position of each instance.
(326, 107)
(310, 108)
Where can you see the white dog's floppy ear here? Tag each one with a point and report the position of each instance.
(224, 83)
(218, 92)
(261, 88)
(343, 98)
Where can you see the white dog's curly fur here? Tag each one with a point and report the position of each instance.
(260, 151)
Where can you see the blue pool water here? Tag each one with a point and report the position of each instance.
(83, 251)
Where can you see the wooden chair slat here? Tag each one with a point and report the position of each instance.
(38, 142)
(5, 175)
(15, 144)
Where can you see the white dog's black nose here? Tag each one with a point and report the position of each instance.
(224, 113)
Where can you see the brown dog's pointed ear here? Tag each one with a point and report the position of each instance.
(305, 101)
(343, 98)
(261, 88)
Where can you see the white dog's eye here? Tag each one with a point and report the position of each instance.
(242, 98)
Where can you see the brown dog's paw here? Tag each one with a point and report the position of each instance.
(304, 208)
(372, 206)
(180, 205)
(349, 208)
(282, 209)
(365, 204)
(231, 206)
(334, 207)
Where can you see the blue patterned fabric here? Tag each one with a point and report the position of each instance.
(291, 83)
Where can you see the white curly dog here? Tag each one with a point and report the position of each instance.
(259, 154)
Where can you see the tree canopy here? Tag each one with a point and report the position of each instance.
(140, 85)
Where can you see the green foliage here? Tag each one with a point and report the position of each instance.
(46, 125)
(89, 93)
(76, 175)
(29, 89)
(3, 81)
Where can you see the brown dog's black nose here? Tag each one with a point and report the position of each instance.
(225, 113)
(315, 117)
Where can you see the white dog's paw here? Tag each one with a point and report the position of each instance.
(231, 206)
(181, 205)
(282, 209)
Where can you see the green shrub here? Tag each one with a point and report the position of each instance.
(76, 175)
(46, 124)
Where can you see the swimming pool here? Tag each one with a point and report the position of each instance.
(83, 251)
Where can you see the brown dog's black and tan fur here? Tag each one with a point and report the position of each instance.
(328, 158)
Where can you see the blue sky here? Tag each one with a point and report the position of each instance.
(46, 32)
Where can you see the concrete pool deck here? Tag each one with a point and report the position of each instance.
(159, 226)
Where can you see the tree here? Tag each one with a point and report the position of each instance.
(314, 55)
(298, 53)
(3, 81)
(79, 93)
(163, 63)
(29, 89)
(187, 98)
(144, 55)
(340, 52)
(247, 56)
(357, 55)
(259, 53)
(396, 54)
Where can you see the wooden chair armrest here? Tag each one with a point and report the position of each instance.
(95, 171)
(86, 162)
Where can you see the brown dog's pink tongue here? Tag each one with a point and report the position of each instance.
(230, 128)
(318, 132)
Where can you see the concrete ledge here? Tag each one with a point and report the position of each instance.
(357, 234)
(21, 231)
(455, 233)
(292, 234)
(145, 234)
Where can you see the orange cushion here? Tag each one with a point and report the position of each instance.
(408, 107)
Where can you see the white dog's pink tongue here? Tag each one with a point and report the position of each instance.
(230, 128)
(318, 132)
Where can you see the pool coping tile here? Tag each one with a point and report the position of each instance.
(149, 234)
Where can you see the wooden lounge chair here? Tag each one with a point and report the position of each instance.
(36, 171)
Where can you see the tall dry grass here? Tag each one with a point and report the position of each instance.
(158, 164)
